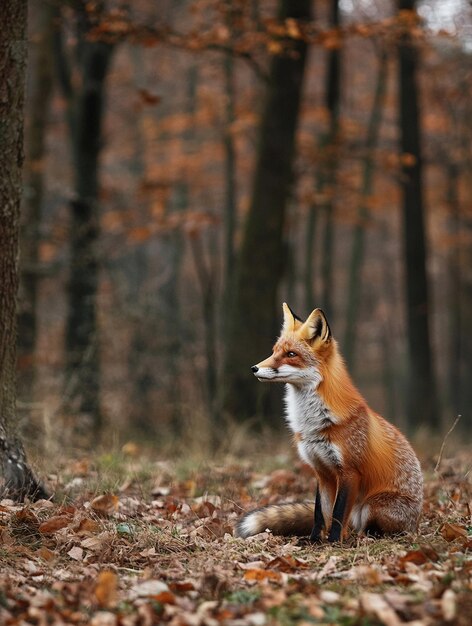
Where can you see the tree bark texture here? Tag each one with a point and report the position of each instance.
(358, 244)
(465, 355)
(422, 398)
(86, 108)
(18, 480)
(261, 259)
(333, 103)
(455, 382)
(325, 183)
(40, 85)
(230, 166)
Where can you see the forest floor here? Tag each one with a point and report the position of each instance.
(134, 542)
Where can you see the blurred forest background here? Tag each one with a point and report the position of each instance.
(190, 164)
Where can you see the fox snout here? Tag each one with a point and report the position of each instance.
(265, 370)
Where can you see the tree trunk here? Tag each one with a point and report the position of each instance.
(309, 277)
(38, 103)
(422, 405)
(261, 262)
(87, 110)
(455, 390)
(206, 273)
(333, 102)
(18, 480)
(357, 253)
(325, 182)
(466, 323)
(230, 168)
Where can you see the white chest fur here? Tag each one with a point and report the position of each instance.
(308, 417)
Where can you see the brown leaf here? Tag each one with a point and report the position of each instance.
(148, 98)
(450, 532)
(368, 574)
(261, 574)
(88, 525)
(53, 524)
(76, 553)
(418, 557)
(375, 605)
(181, 587)
(45, 553)
(105, 504)
(286, 564)
(25, 516)
(106, 589)
(166, 597)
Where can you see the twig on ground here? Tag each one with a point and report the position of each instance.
(444, 442)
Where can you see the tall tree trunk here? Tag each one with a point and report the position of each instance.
(230, 166)
(309, 276)
(17, 479)
(325, 182)
(38, 103)
(391, 378)
(422, 398)
(141, 365)
(86, 108)
(261, 262)
(455, 390)
(466, 318)
(309, 258)
(206, 273)
(333, 103)
(357, 252)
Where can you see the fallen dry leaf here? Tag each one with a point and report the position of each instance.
(261, 574)
(76, 553)
(54, 524)
(286, 564)
(45, 553)
(87, 526)
(104, 618)
(374, 605)
(148, 588)
(105, 504)
(418, 557)
(106, 589)
(449, 605)
(450, 532)
(368, 574)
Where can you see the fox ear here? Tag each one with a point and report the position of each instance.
(316, 327)
(291, 320)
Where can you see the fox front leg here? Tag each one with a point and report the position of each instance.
(318, 520)
(339, 513)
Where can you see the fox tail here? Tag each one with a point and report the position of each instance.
(280, 519)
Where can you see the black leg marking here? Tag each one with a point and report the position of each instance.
(339, 510)
(318, 521)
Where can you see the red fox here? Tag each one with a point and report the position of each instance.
(369, 478)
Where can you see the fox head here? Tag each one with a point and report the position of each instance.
(300, 352)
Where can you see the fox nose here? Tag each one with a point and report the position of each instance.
(254, 369)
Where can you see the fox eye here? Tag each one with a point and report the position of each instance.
(291, 354)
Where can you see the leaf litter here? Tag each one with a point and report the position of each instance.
(136, 557)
